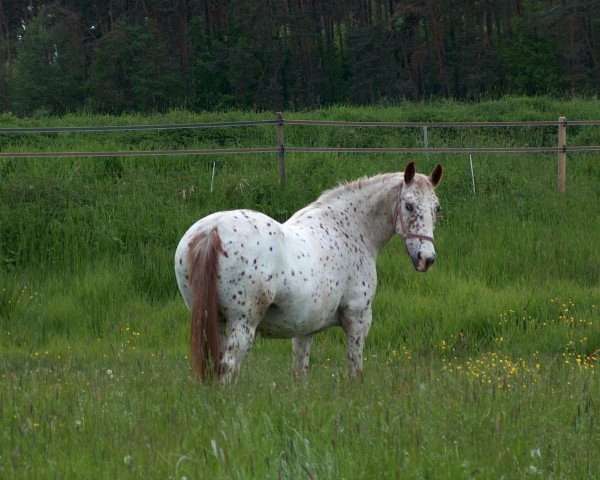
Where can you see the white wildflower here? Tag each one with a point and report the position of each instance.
(535, 452)
(533, 470)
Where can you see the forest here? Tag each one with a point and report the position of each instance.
(116, 56)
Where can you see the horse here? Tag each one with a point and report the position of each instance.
(241, 273)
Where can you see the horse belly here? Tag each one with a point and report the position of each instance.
(293, 315)
(307, 295)
(278, 323)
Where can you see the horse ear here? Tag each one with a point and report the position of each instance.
(436, 176)
(409, 172)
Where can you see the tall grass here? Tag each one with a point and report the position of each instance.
(482, 368)
(140, 415)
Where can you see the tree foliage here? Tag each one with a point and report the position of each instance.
(129, 70)
(48, 71)
(151, 55)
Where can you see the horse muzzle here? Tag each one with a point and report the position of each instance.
(422, 263)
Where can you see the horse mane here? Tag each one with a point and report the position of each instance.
(334, 193)
(329, 196)
(203, 259)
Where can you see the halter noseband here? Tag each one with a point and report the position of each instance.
(405, 233)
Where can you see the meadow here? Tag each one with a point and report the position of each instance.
(484, 367)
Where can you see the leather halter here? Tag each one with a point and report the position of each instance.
(405, 233)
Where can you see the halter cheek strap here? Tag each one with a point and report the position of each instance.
(405, 233)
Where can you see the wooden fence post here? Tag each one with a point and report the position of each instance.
(562, 154)
(281, 147)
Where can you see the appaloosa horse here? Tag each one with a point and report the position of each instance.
(240, 271)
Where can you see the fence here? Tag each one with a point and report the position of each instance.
(281, 149)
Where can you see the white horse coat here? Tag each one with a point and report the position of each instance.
(241, 271)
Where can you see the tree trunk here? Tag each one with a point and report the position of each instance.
(438, 37)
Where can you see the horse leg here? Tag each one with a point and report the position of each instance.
(237, 347)
(300, 357)
(222, 338)
(356, 324)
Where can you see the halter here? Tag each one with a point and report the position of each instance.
(405, 233)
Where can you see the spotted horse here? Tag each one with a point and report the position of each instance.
(241, 272)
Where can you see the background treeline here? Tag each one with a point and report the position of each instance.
(153, 55)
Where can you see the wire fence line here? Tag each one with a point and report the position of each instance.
(258, 150)
(140, 153)
(540, 123)
(281, 149)
(331, 123)
(129, 128)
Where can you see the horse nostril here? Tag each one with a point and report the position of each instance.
(429, 262)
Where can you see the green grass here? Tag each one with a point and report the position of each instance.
(485, 367)
(123, 413)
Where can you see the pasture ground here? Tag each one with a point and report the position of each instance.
(485, 367)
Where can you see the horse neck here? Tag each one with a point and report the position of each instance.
(371, 204)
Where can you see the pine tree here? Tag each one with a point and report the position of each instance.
(48, 71)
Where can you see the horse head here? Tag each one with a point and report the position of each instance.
(416, 213)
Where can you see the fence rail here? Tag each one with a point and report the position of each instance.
(281, 149)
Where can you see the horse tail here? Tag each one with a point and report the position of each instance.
(203, 258)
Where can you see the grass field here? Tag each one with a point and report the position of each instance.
(485, 367)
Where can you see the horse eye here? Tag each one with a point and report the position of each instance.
(409, 207)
